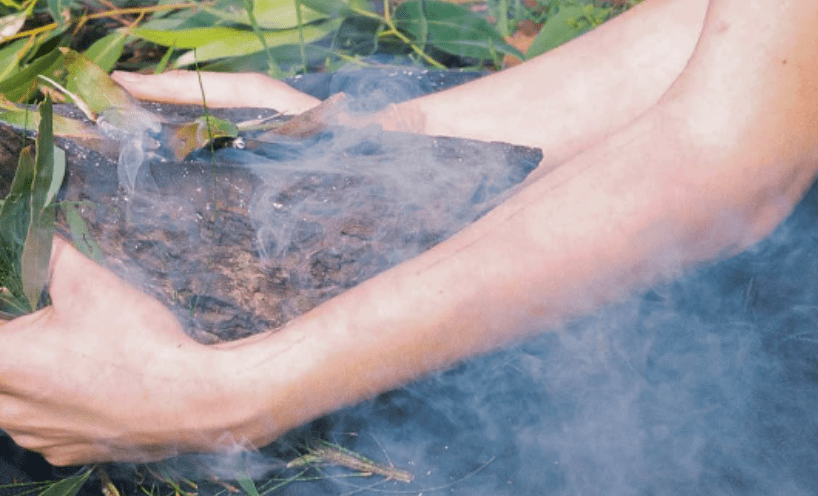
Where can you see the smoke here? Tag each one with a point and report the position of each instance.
(133, 130)
(706, 385)
(390, 184)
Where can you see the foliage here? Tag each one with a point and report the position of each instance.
(279, 37)
(568, 19)
(68, 486)
(27, 222)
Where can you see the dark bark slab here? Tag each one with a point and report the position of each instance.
(237, 242)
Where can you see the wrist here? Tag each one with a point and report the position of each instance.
(259, 378)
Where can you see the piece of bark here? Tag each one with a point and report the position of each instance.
(238, 243)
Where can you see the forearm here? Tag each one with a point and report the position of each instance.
(573, 96)
(546, 255)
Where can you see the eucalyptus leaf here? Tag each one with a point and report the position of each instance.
(270, 14)
(163, 63)
(80, 235)
(246, 42)
(11, 55)
(55, 7)
(14, 215)
(22, 118)
(36, 255)
(285, 55)
(338, 7)
(23, 84)
(187, 38)
(191, 136)
(106, 51)
(452, 29)
(69, 486)
(281, 14)
(12, 4)
(568, 23)
(93, 85)
(247, 485)
(14, 222)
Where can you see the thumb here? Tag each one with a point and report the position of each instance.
(72, 272)
(59, 249)
(88, 294)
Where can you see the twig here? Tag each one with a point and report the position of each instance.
(324, 453)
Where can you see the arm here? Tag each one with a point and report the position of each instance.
(708, 171)
(582, 91)
(649, 202)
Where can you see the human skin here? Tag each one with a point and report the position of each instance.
(582, 91)
(712, 168)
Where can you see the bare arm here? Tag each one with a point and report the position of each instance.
(560, 102)
(676, 187)
(712, 168)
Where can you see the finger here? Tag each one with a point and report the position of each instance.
(220, 90)
(82, 453)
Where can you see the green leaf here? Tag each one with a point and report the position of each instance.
(80, 234)
(339, 7)
(55, 8)
(14, 215)
(246, 42)
(11, 3)
(269, 14)
(48, 176)
(163, 64)
(88, 81)
(190, 136)
(14, 222)
(68, 486)
(285, 56)
(248, 485)
(187, 38)
(570, 22)
(10, 56)
(452, 29)
(24, 118)
(22, 85)
(106, 51)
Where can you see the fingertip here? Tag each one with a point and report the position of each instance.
(125, 76)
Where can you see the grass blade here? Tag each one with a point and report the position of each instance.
(248, 485)
(68, 486)
(80, 235)
(48, 175)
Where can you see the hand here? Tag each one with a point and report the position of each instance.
(103, 373)
(220, 90)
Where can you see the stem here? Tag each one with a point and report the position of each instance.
(301, 34)
(111, 13)
(274, 70)
(393, 31)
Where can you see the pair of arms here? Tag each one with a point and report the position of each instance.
(667, 159)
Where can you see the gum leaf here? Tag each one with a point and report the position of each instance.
(452, 28)
(49, 171)
(90, 83)
(190, 136)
